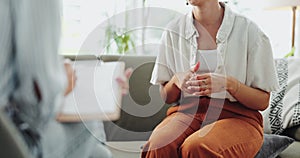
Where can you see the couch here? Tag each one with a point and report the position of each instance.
(11, 141)
(143, 109)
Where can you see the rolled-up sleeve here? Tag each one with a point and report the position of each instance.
(162, 71)
(261, 71)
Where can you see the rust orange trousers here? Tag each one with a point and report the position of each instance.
(206, 128)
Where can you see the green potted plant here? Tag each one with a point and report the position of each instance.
(119, 37)
(123, 41)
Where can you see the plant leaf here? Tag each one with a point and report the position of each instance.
(291, 53)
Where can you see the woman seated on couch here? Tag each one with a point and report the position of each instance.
(218, 100)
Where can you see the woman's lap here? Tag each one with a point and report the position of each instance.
(230, 137)
(169, 134)
(174, 129)
(179, 136)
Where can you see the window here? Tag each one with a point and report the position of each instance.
(80, 19)
(92, 18)
(277, 29)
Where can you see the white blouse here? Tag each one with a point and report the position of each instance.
(245, 52)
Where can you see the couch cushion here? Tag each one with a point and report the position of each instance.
(284, 109)
(12, 143)
(273, 145)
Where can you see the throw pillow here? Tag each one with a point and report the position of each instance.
(273, 145)
(284, 109)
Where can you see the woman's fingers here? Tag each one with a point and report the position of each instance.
(198, 82)
(128, 72)
(203, 93)
(203, 76)
(123, 80)
(199, 88)
(205, 84)
(123, 84)
(71, 77)
(195, 68)
(184, 85)
(187, 90)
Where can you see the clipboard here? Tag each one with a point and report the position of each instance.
(96, 95)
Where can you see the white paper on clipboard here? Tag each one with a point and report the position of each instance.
(97, 95)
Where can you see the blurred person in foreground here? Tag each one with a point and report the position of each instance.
(33, 82)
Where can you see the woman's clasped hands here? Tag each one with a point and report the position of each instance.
(200, 84)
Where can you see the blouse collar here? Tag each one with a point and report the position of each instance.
(224, 30)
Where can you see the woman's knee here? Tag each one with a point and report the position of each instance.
(192, 147)
(202, 147)
(154, 144)
(157, 148)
